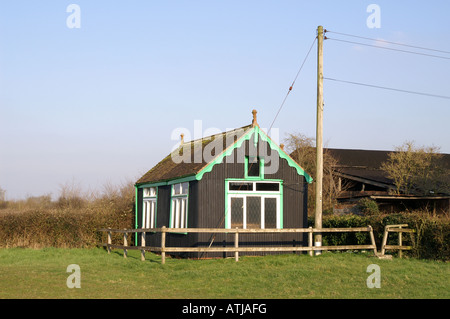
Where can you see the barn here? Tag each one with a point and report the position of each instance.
(361, 173)
(239, 178)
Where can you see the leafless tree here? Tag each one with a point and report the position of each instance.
(302, 150)
(417, 170)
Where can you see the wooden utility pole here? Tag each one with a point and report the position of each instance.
(319, 137)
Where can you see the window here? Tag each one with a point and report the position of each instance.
(149, 191)
(268, 187)
(180, 189)
(178, 216)
(237, 212)
(149, 208)
(254, 204)
(238, 186)
(254, 212)
(270, 212)
(241, 186)
(253, 209)
(253, 166)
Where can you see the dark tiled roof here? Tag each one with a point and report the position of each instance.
(369, 158)
(367, 163)
(168, 169)
(359, 158)
(361, 163)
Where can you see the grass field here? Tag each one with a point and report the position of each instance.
(41, 273)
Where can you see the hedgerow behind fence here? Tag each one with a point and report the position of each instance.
(430, 241)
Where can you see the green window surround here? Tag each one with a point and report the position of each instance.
(250, 189)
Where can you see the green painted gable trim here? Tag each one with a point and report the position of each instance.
(258, 133)
(284, 155)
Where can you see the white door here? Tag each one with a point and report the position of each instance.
(254, 211)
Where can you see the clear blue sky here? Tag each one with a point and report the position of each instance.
(99, 103)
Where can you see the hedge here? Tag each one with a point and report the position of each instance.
(430, 241)
(60, 227)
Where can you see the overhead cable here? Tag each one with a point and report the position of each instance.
(292, 85)
(389, 42)
(388, 88)
(387, 48)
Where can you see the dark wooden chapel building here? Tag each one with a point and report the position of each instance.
(239, 178)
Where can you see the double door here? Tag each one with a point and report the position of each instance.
(249, 211)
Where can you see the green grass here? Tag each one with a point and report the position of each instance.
(41, 273)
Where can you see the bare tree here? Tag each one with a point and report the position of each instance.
(417, 170)
(71, 195)
(302, 150)
(2, 195)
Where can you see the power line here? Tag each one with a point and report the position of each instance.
(292, 85)
(390, 42)
(388, 88)
(392, 49)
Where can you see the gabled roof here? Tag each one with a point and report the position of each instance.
(168, 169)
(192, 164)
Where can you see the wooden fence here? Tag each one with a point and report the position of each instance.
(236, 249)
(395, 229)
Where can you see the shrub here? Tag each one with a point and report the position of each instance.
(431, 239)
(368, 207)
(70, 222)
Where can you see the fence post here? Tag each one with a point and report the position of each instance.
(310, 240)
(236, 245)
(383, 244)
(125, 244)
(109, 242)
(142, 245)
(372, 239)
(163, 245)
(400, 243)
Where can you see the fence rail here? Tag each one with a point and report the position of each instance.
(236, 249)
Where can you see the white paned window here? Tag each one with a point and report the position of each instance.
(178, 216)
(254, 204)
(180, 189)
(150, 192)
(149, 208)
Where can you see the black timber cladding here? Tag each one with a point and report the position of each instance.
(206, 205)
(211, 208)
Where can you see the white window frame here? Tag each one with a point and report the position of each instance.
(244, 208)
(254, 193)
(179, 205)
(149, 202)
